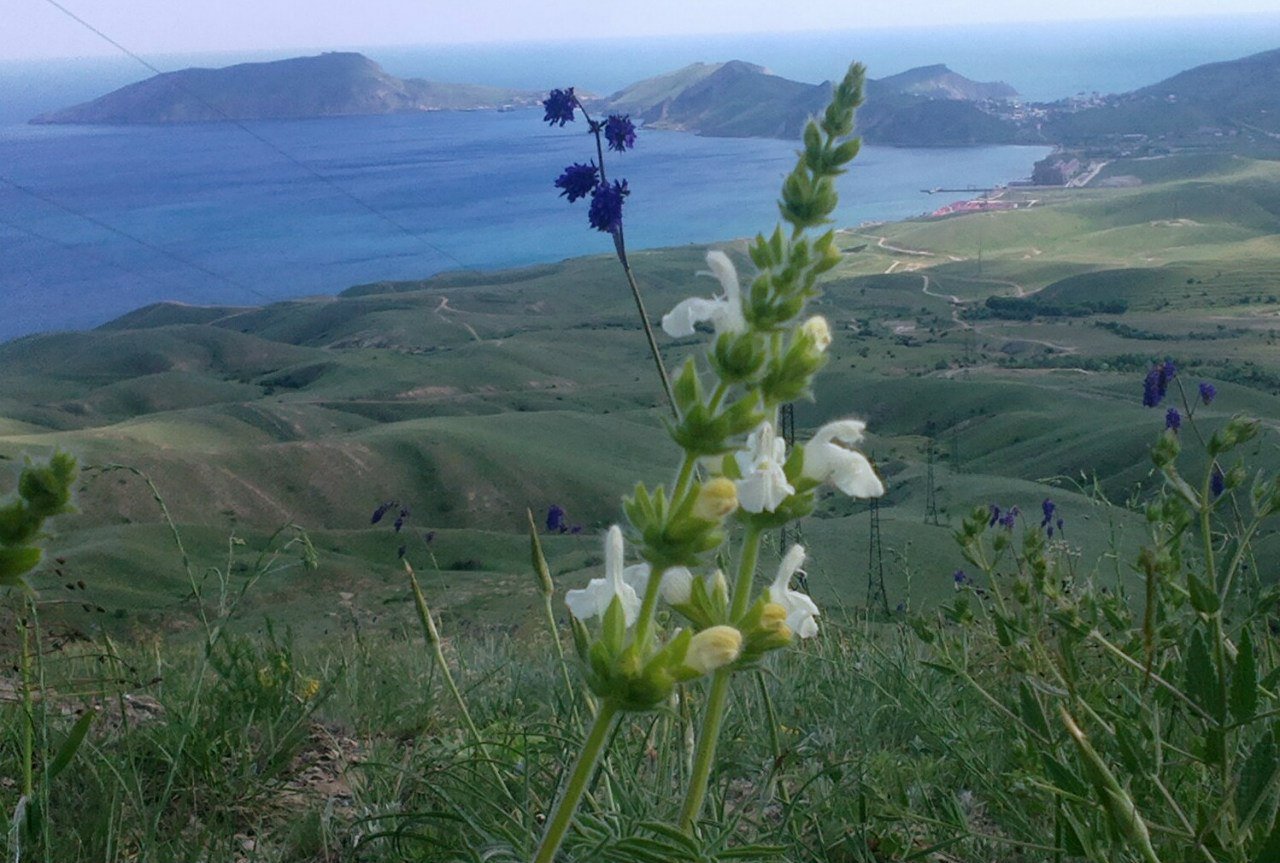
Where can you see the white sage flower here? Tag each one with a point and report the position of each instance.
(676, 586)
(724, 313)
(829, 457)
(594, 599)
(800, 609)
(764, 484)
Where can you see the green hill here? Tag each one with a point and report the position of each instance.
(469, 397)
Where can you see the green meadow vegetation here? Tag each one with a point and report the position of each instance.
(251, 658)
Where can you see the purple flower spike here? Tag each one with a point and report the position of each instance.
(606, 206)
(429, 537)
(994, 513)
(1047, 508)
(620, 132)
(1010, 518)
(560, 106)
(578, 181)
(555, 519)
(1207, 392)
(1217, 482)
(1173, 420)
(1151, 394)
(959, 577)
(382, 510)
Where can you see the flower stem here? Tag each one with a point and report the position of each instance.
(583, 768)
(620, 245)
(718, 696)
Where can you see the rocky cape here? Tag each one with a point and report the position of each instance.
(327, 85)
(926, 106)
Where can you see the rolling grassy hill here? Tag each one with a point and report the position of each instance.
(469, 397)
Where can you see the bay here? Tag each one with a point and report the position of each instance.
(97, 221)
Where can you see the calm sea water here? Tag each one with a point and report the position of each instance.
(227, 220)
(114, 218)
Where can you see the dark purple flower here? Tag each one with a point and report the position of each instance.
(382, 510)
(1173, 419)
(555, 519)
(606, 206)
(1059, 525)
(429, 537)
(576, 529)
(960, 577)
(620, 132)
(1010, 518)
(1207, 392)
(1217, 482)
(400, 519)
(1151, 393)
(1047, 508)
(560, 106)
(400, 551)
(994, 513)
(578, 181)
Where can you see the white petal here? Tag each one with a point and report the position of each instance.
(790, 565)
(680, 320)
(848, 432)
(854, 476)
(637, 577)
(765, 488)
(722, 268)
(613, 554)
(677, 585)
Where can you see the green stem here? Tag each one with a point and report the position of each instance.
(567, 805)
(554, 632)
(433, 638)
(28, 714)
(621, 247)
(718, 696)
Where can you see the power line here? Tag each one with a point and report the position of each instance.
(128, 236)
(261, 139)
(72, 247)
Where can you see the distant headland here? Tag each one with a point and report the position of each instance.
(327, 85)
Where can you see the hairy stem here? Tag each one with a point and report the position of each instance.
(576, 786)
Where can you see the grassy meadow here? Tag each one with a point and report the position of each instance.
(256, 708)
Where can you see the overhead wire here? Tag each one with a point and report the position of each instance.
(80, 249)
(106, 226)
(267, 142)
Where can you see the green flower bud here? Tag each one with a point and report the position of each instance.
(738, 357)
(1166, 449)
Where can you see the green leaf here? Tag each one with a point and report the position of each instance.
(1244, 681)
(1064, 777)
(16, 562)
(1032, 714)
(1201, 678)
(1203, 599)
(1257, 775)
(69, 746)
(1270, 848)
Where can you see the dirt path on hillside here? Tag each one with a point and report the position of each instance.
(445, 307)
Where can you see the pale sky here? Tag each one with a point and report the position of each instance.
(36, 29)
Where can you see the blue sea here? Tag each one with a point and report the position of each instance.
(97, 221)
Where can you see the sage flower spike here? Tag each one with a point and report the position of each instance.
(764, 484)
(800, 609)
(724, 313)
(594, 599)
(829, 457)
